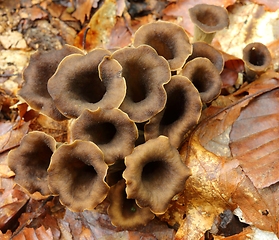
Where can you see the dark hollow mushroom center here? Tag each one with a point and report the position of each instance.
(135, 76)
(208, 18)
(82, 177)
(201, 79)
(39, 160)
(256, 57)
(88, 87)
(129, 207)
(155, 174)
(162, 45)
(174, 107)
(101, 133)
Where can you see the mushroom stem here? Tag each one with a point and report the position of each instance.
(257, 59)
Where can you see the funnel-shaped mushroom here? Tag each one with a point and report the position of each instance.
(257, 59)
(202, 49)
(168, 39)
(125, 213)
(76, 173)
(110, 129)
(87, 82)
(145, 73)
(42, 66)
(208, 19)
(205, 76)
(154, 174)
(115, 171)
(181, 113)
(30, 162)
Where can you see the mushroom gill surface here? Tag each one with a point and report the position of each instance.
(208, 19)
(205, 77)
(181, 113)
(87, 82)
(76, 173)
(125, 213)
(202, 49)
(257, 59)
(110, 129)
(145, 73)
(168, 39)
(42, 66)
(154, 174)
(30, 162)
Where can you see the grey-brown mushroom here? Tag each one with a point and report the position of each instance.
(125, 213)
(257, 60)
(42, 66)
(76, 173)
(110, 129)
(205, 76)
(168, 39)
(87, 82)
(208, 19)
(154, 174)
(145, 73)
(31, 160)
(181, 113)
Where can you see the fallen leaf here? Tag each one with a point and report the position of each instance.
(11, 203)
(97, 33)
(269, 5)
(13, 137)
(220, 180)
(83, 9)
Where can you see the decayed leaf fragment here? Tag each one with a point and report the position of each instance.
(221, 173)
(97, 33)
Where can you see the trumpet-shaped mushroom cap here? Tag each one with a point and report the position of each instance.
(87, 82)
(202, 49)
(110, 129)
(145, 73)
(257, 58)
(205, 76)
(30, 162)
(125, 213)
(181, 113)
(168, 39)
(208, 19)
(76, 173)
(41, 67)
(154, 174)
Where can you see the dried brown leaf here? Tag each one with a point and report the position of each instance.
(83, 8)
(219, 181)
(97, 33)
(269, 5)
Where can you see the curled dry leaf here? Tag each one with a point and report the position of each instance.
(227, 174)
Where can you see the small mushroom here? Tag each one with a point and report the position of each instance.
(205, 76)
(42, 66)
(145, 73)
(208, 19)
(30, 162)
(76, 173)
(125, 213)
(168, 39)
(154, 174)
(257, 59)
(110, 129)
(202, 49)
(87, 82)
(181, 113)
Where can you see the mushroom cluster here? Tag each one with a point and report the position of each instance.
(128, 112)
